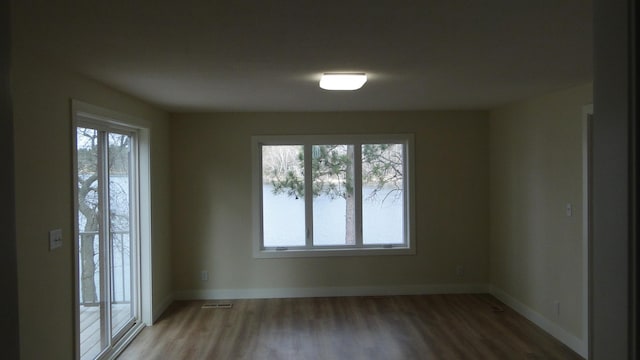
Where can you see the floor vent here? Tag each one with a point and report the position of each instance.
(217, 306)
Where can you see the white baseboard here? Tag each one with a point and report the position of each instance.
(573, 342)
(268, 293)
(164, 305)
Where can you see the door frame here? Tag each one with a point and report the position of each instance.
(143, 275)
(587, 126)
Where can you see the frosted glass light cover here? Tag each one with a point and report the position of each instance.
(343, 81)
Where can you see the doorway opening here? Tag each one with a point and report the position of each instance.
(111, 231)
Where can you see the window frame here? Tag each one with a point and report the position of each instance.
(359, 249)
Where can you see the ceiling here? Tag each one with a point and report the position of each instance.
(239, 55)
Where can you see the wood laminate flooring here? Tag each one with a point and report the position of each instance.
(385, 327)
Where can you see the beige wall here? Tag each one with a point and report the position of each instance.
(615, 273)
(211, 202)
(9, 327)
(536, 168)
(42, 96)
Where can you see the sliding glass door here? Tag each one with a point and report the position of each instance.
(107, 229)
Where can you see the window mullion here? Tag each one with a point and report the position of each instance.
(104, 238)
(134, 228)
(357, 189)
(308, 196)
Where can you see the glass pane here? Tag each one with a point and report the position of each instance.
(333, 200)
(89, 243)
(283, 219)
(383, 194)
(119, 155)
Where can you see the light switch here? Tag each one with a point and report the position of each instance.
(569, 209)
(55, 239)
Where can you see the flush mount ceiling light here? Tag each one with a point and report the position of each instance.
(343, 81)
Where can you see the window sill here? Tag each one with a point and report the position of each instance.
(298, 253)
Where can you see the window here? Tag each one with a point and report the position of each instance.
(332, 195)
(111, 202)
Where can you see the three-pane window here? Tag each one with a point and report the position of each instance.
(332, 195)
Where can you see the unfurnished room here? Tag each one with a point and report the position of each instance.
(319, 180)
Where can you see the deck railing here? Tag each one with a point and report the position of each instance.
(120, 264)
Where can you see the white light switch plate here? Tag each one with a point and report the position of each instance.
(55, 239)
(569, 209)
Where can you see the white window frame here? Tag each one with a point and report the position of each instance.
(84, 114)
(360, 249)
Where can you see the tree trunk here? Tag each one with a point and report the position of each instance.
(350, 207)
(87, 242)
(88, 286)
(350, 233)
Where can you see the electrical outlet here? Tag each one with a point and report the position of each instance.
(204, 275)
(55, 239)
(459, 270)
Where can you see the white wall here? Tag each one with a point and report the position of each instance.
(536, 169)
(42, 93)
(211, 212)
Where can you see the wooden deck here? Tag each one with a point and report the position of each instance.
(90, 328)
